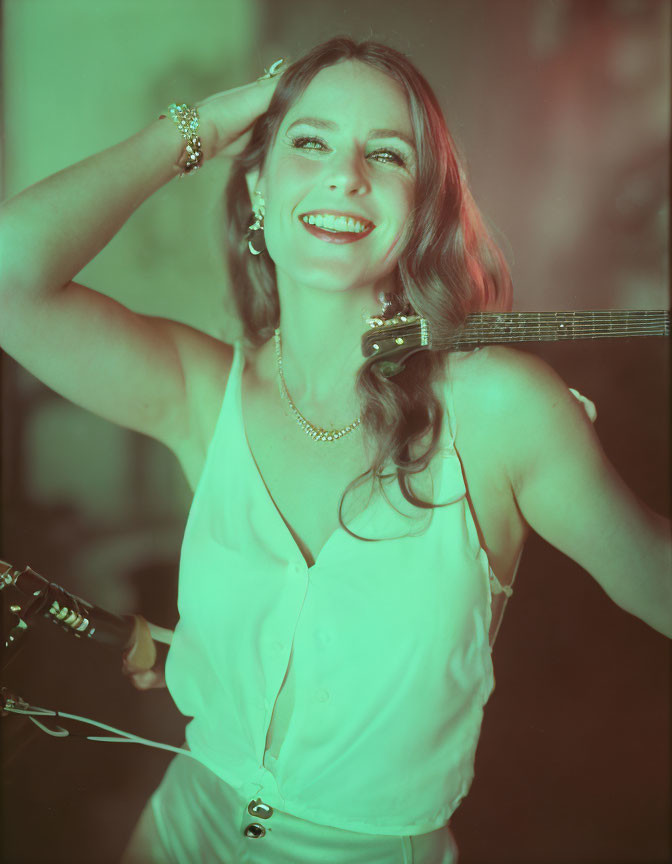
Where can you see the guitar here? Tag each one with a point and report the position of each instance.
(390, 341)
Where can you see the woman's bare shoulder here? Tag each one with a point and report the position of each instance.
(495, 365)
(490, 372)
(502, 387)
(514, 392)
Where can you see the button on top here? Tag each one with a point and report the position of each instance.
(259, 809)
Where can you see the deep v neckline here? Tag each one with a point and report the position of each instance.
(266, 493)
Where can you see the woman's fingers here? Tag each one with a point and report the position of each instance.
(144, 660)
(149, 680)
(160, 634)
(228, 116)
(141, 651)
(236, 147)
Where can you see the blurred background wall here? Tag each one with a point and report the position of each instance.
(561, 109)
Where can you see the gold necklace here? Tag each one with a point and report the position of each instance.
(317, 433)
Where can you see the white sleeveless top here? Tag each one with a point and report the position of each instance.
(350, 693)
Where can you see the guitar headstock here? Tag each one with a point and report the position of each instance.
(396, 337)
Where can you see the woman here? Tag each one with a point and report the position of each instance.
(337, 686)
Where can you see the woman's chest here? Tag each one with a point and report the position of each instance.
(304, 480)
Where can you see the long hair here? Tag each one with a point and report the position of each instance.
(449, 266)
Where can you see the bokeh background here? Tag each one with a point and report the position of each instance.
(561, 109)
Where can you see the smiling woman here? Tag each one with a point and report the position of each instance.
(384, 156)
(341, 684)
(336, 687)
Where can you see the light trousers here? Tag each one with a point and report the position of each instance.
(194, 817)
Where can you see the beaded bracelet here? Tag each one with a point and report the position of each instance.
(187, 121)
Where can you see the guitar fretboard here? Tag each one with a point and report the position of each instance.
(491, 327)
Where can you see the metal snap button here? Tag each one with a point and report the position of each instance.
(258, 808)
(255, 831)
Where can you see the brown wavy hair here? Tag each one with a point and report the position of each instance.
(449, 267)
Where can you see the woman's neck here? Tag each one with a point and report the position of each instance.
(320, 336)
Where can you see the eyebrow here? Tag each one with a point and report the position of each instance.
(319, 123)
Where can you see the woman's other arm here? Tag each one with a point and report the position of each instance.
(569, 492)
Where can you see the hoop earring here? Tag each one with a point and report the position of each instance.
(257, 225)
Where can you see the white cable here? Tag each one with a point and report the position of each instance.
(136, 740)
(61, 733)
(128, 737)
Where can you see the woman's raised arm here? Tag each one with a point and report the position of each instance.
(126, 367)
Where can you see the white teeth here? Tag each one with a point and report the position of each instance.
(335, 223)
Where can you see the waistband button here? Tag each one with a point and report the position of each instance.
(255, 831)
(259, 809)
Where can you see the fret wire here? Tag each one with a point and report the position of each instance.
(555, 318)
(492, 316)
(552, 319)
(579, 329)
(524, 329)
(556, 326)
(562, 335)
(526, 337)
(644, 327)
(625, 312)
(466, 337)
(488, 333)
(523, 320)
(440, 346)
(530, 338)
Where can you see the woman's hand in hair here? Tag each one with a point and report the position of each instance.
(226, 118)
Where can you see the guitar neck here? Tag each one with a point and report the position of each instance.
(389, 342)
(506, 327)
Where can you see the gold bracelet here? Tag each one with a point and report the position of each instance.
(187, 120)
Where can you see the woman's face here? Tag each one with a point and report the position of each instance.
(349, 157)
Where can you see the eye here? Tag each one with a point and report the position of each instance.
(388, 151)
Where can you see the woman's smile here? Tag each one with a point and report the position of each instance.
(333, 236)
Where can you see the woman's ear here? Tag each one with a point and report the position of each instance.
(251, 178)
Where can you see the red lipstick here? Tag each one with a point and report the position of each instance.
(336, 236)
